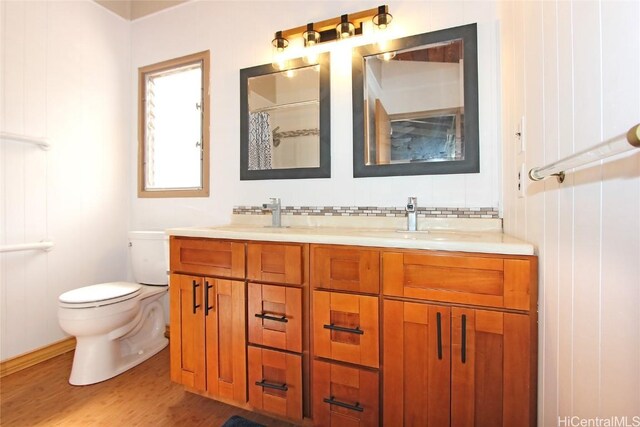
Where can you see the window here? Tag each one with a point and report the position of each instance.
(173, 128)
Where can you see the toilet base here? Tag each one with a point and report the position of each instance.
(86, 371)
(100, 357)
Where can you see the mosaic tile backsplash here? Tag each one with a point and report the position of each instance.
(423, 212)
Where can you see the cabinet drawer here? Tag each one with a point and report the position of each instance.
(345, 327)
(207, 257)
(275, 382)
(273, 262)
(494, 282)
(345, 268)
(344, 396)
(275, 316)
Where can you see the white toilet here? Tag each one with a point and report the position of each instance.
(119, 325)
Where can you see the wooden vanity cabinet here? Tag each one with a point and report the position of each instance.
(447, 363)
(277, 276)
(392, 337)
(208, 341)
(346, 335)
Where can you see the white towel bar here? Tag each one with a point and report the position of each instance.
(41, 142)
(601, 151)
(45, 245)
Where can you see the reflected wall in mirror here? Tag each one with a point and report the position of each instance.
(415, 105)
(285, 129)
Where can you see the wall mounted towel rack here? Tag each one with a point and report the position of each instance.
(45, 245)
(610, 147)
(41, 142)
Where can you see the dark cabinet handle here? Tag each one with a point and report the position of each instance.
(463, 348)
(265, 384)
(355, 407)
(195, 306)
(265, 316)
(439, 328)
(207, 308)
(355, 330)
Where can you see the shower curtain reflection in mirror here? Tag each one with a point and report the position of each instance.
(260, 141)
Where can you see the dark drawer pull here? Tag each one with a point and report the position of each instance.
(265, 316)
(355, 407)
(355, 330)
(195, 286)
(207, 307)
(463, 347)
(439, 326)
(265, 384)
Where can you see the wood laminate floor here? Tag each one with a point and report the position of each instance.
(142, 396)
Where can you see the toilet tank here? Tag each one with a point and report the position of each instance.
(149, 252)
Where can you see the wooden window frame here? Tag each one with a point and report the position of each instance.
(202, 57)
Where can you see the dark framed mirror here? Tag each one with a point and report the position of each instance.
(415, 105)
(285, 129)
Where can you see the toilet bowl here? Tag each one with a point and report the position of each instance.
(118, 325)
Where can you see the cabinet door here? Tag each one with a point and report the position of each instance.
(187, 331)
(345, 327)
(275, 262)
(417, 362)
(226, 342)
(275, 382)
(344, 396)
(345, 268)
(491, 369)
(274, 316)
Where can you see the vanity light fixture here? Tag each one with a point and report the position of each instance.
(383, 18)
(311, 37)
(345, 28)
(337, 28)
(279, 44)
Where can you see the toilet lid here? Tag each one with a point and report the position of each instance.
(101, 292)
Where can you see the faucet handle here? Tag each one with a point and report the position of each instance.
(412, 204)
(275, 200)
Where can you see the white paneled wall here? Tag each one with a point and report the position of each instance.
(188, 28)
(572, 68)
(65, 76)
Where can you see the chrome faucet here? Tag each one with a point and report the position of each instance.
(412, 214)
(274, 207)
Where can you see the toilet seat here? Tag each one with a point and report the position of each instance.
(99, 295)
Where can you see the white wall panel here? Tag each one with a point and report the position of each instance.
(580, 85)
(65, 77)
(620, 372)
(549, 265)
(587, 203)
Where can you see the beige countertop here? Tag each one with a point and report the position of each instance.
(472, 240)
